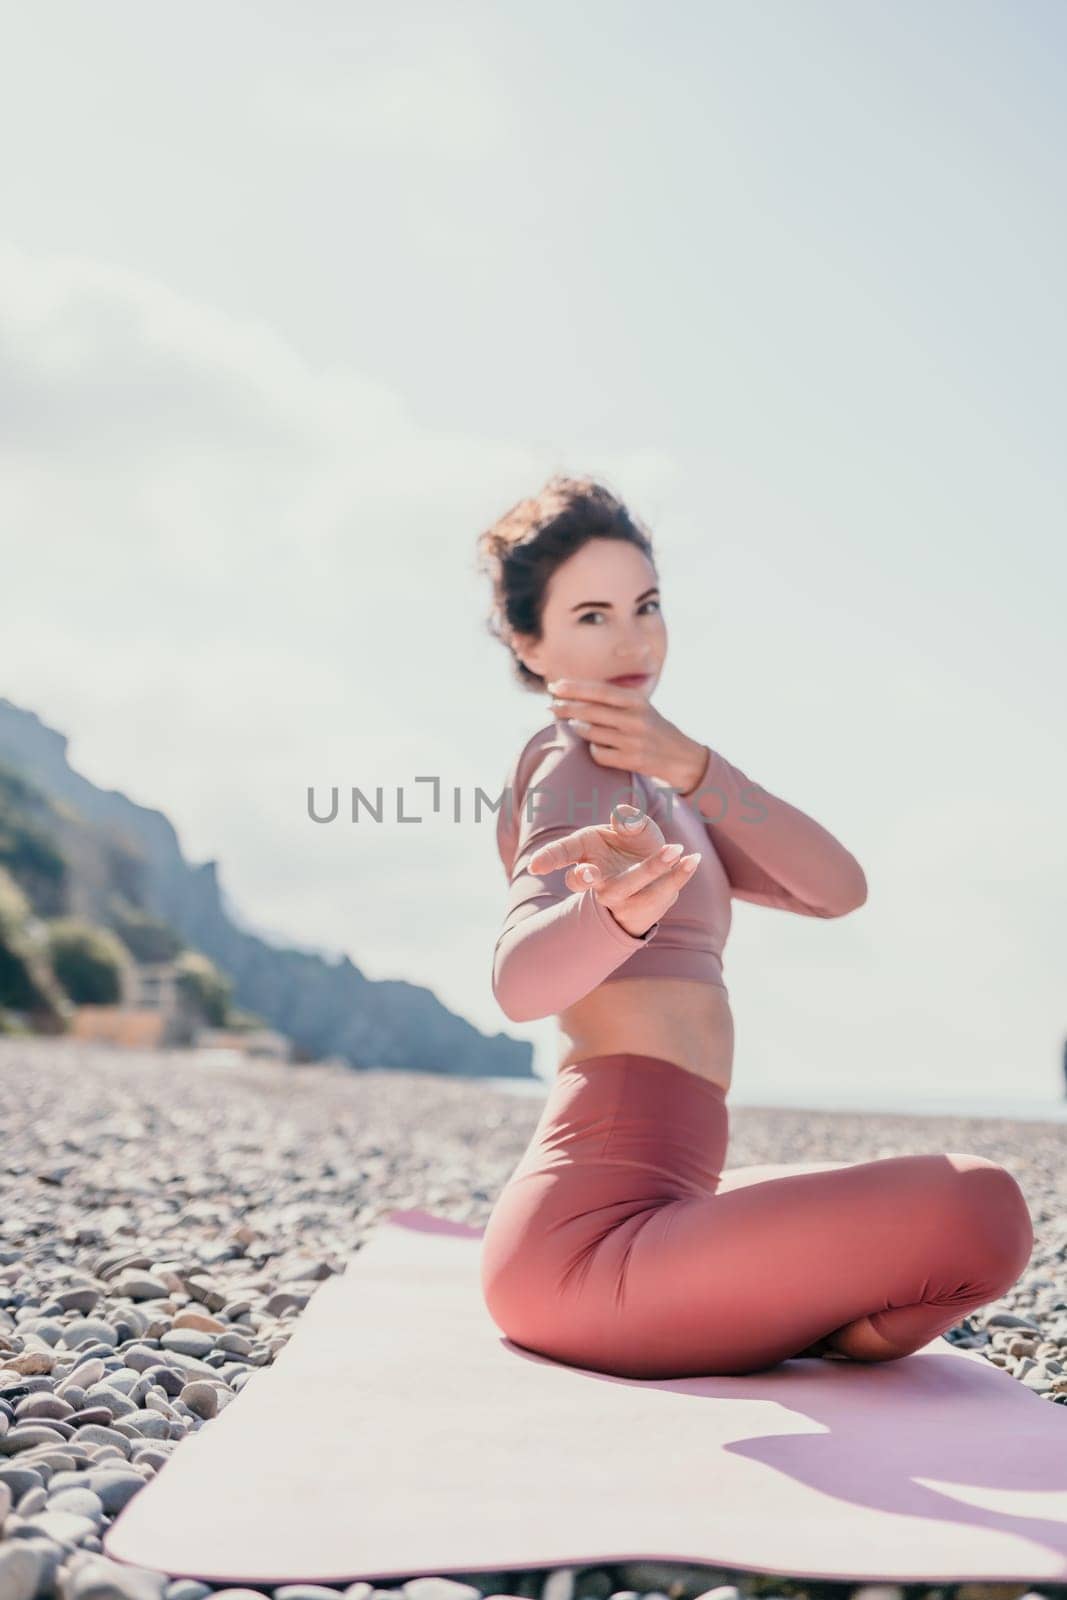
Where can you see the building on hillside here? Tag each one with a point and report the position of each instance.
(152, 1010)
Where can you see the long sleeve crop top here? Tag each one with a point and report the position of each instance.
(557, 945)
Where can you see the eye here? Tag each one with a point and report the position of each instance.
(588, 615)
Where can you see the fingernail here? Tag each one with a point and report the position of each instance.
(586, 874)
(692, 861)
(670, 852)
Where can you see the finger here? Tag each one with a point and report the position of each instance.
(593, 711)
(654, 894)
(635, 826)
(599, 723)
(595, 689)
(589, 841)
(592, 726)
(561, 852)
(623, 885)
(585, 875)
(595, 722)
(648, 905)
(607, 755)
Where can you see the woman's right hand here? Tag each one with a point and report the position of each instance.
(632, 871)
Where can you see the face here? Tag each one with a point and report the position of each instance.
(601, 618)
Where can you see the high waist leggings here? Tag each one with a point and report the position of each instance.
(620, 1244)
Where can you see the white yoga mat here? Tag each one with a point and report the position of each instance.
(399, 1433)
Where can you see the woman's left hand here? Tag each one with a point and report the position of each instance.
(625, 730)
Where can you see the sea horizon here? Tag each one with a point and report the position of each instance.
(1013, 1108)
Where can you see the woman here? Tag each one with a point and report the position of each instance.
(619, 1243)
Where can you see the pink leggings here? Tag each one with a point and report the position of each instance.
(619, 1243)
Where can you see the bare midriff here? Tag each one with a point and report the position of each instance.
(677, 1019)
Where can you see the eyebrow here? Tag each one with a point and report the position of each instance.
(606, 604)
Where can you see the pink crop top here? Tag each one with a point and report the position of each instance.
(557, 945)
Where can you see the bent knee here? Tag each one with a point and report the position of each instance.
(995, 1215)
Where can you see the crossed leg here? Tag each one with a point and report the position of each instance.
(870, 1260)
(738, 1178)
(858, 1340)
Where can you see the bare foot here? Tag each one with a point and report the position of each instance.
(824, 1348)
(860, 1341)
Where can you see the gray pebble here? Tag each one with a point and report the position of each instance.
(82, 1501)
(238, 1594)
(87, 1372)
(141, 1286)
(201, 1398)
(101, 1579)
(18, 1479)
(307, 1591)
(188, 1341)
(27, 1436)
(81, 1300)
(20, 1569)
(88, 1328)
(440, 1589)
(94, 1434)
(112, 1486)
(62, 1526)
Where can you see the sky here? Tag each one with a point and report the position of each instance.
(294, 303)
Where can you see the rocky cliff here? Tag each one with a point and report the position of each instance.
(326, 1007)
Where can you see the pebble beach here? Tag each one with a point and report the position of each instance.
(165, 1219)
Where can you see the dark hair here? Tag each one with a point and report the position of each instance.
(523, 548)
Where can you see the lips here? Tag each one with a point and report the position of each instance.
(629, 679)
